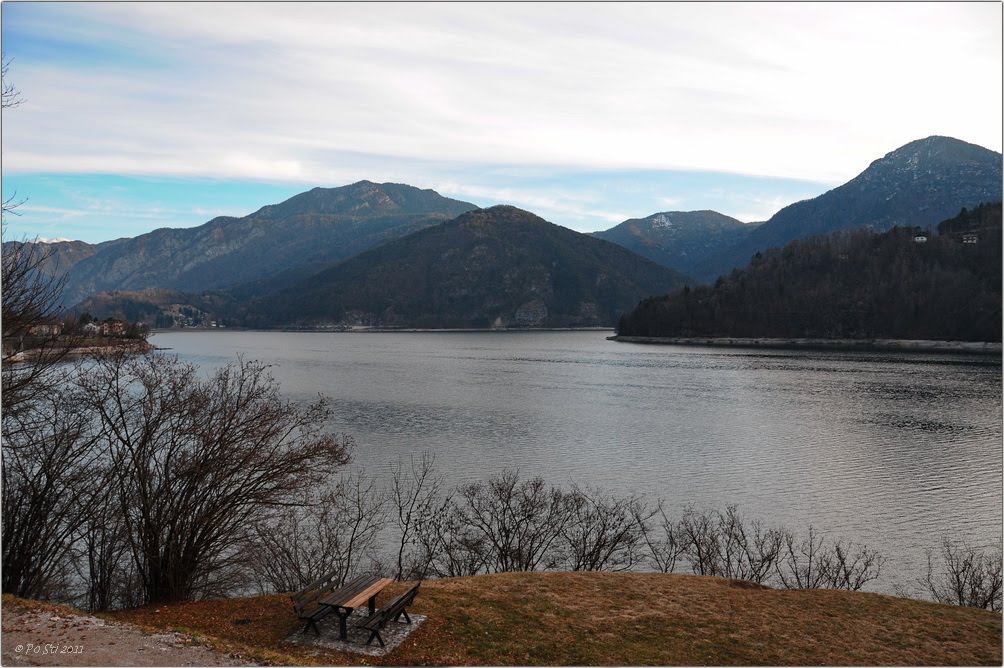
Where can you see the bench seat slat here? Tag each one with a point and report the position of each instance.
(391, 610)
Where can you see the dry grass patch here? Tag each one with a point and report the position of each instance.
(619, 619)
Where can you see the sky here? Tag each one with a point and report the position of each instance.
(136, 116)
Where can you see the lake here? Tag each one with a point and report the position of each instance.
(895, 450)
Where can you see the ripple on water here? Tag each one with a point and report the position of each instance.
(892, 450)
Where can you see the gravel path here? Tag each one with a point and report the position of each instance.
(42, 638)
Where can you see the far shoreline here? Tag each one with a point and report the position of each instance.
(386, 330)
(985, 348)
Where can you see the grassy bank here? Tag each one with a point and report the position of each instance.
(619, 619)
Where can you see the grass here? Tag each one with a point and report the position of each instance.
(617, 619)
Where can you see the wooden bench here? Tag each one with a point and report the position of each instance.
(390, 611)
(305, 601)
(343, 601)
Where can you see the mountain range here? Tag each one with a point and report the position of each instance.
(919, 184)
(904, 283)
(496, 267)
(395, 255)
(276, 245)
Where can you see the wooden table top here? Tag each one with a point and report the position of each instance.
(355, 593)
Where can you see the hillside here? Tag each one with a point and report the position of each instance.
(619, 619)
(497, 267)
(61, 256)
(678, 239)
(159, 308)
(313, 230)
(849, 285)
(919, 184)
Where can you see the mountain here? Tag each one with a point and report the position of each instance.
(900, 284)
(918, 184)
(59, 255)
(678, 239)
(496, 267)
(312, 229)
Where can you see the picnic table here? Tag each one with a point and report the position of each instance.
(351, 595)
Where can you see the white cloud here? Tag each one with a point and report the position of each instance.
(302, 92)
(670, 201)
(59, 213)
(572, 207)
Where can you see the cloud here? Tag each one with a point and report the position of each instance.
(569, 207)
(670, 201)
(288, 92)
(587, 114)
(57, 212)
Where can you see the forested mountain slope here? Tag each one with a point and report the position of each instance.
(854, 285)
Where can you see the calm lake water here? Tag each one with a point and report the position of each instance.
(894, 450)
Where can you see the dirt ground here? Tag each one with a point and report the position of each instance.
(44, 638)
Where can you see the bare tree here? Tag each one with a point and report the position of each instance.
(415, 495)
(602, 532)
(102, 559)
(291, 548)
(852, 566)
(198, 463)
(448, 546)
(362, 515)
(11, 95)
(812, 564)
(699, 540)
(520, 521)
(299, 544)
(11, 98)
(662, 540)
(49, 487)
(803, 565)
(967, 576)
(726, 544)
(30, 301)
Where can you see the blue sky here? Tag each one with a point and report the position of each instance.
(145, 115)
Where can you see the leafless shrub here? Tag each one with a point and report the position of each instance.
(698, 536)
(966, 575)
(728, 545)
(361, 510)
(197, 463)
(520, 521)
(805, 564)
(812, 564)
(447, 546)
(851, 566)
(102, 560)
(661, 537)
(32, 352)
(11, 98)
(415, 497)
(49, 487)
(11, 95)
(601, 533)
(299, 544)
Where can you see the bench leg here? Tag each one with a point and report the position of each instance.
(407, 619)
(375, 634)
(343, 631)
(311, 623)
